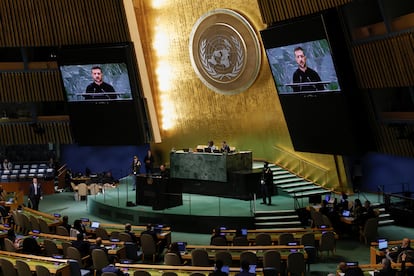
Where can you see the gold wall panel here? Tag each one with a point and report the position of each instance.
(190, 113)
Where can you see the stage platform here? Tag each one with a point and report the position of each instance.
(198, 214)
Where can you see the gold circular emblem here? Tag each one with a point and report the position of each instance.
(150, 181)
(225, 52)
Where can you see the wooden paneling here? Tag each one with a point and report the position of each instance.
(29, 23)
(385, 63)
(32, 86)
(278, 10)
(43, 132)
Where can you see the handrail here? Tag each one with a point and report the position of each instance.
(302, 166)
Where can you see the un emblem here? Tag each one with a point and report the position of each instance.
(225, 52)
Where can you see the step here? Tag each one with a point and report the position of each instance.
(295, 184)
(385, 222)
(288, 218)
(288, 180)
(311, 193)
(285, 176)
(281, 172)
(284, 223)
(302, 188)
(384, 215)
(275, 212)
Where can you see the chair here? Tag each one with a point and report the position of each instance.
(7, 268)
(141, 273)
(248, 256)
(73, 232)
(148, 247)
(101, 232)
(94, 189)
(263, 239)
(169, 273)
(26, 227)
(172, 259)
(75, 269)
(225, 257)
(9, 245)
(199, 257)
(327, 242)
(316, 217)
(109, 274)
(34, 222)
(369, 232)
(132, 252)
(326, 221)
(65, 246)
(125, 237)
(74, 254)
(295, 264)
(51, 248)
(114, 235)
(272, 259)
(240, 241)
(311, 253)
(286, 238)
(270, 271)
(23, 268)
(82, 191)
(99, 259)
(44, 228)
(42, 270)
(17, 221)
(308, 239)
(219, 241)
(62, 231)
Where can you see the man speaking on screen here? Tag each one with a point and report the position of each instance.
(305, 75)
(105, 90)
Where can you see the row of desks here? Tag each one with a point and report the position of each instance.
(275, 233)
(235, 251)
(114, 248)
(55, 266)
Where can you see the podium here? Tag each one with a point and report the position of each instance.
(157, 192)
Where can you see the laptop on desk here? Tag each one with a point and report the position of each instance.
(95, 225)
(346, 213)
(382, 244)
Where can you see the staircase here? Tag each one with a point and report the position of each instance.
(384, 217)
(277, 219)
(294, 185)
(297, 187)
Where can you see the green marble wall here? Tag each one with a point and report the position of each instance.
(208, 166)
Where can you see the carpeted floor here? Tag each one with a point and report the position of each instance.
(348, 248)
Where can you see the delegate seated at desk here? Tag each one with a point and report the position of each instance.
(224, 147)
(210, 146)
(394, 255)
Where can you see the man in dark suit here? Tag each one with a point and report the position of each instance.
(97, 245)
(128, 230)
(35, 194)
(82, 245)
